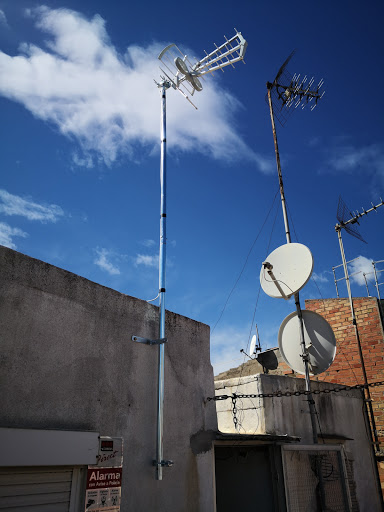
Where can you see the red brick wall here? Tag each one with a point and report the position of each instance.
(346, 368)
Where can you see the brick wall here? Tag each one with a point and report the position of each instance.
(346, 368)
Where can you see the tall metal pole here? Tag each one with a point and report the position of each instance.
(377, 287)
(304, 350)
(162, 263)
(367, 395)
(334, 276)
(281, 185)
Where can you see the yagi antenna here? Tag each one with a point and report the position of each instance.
(342, 211)
(184, 76)
(346, 224)
(291, 92)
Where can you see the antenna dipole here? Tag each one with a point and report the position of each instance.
(344, 224)
(180, 74)
(284, 94)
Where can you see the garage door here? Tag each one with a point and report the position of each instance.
(39, 489)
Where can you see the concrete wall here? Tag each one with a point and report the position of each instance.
(340, 416)
(68, 362)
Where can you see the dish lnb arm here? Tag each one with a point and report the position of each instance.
(268, 267)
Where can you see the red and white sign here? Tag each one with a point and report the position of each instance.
(103, 489)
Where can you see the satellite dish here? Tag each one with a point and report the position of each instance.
(286, 270)
(319, 340)
(190, 76)
(253, 345)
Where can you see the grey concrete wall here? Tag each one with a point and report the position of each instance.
(340, 415)
(68, 362)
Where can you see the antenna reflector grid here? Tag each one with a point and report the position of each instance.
(343, 214)
(291, 92)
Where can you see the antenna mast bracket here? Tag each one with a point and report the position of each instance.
(147, 341)
(163, 463)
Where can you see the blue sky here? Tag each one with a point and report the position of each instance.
(80, 118)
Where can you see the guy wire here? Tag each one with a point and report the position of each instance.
(245, 263)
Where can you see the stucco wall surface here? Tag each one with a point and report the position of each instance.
(340, 416)
(68, 362)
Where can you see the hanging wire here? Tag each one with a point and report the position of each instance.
(245, 263)
(257, 300)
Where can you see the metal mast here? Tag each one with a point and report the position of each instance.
(342, 224)
(288, 93)
(180, 74)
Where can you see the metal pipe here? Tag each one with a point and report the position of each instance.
(304, 354)
(366, 283)
(162, 262)
(378, 290)
(281, 185)
(376, 281)
(367, 400)
(305, 357)
(334, 276)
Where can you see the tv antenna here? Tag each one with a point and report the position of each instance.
(285, 94)
(178, 73)
(347, 225)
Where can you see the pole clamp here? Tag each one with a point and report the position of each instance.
(149, 342)
(163, 463)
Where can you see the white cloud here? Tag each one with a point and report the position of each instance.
(83, 161)
(348, 158)
(314, 142)
(7, 233)
(146, 260)
(16, 205)
(3, 19)
(148, 243)
(320, 278)
(102, 261)
(361, 265)
(108, 101)
(226, 343)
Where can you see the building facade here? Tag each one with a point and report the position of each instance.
(70, 374)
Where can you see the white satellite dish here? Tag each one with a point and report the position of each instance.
(253, 345)
(286, 270)
(319, 340)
